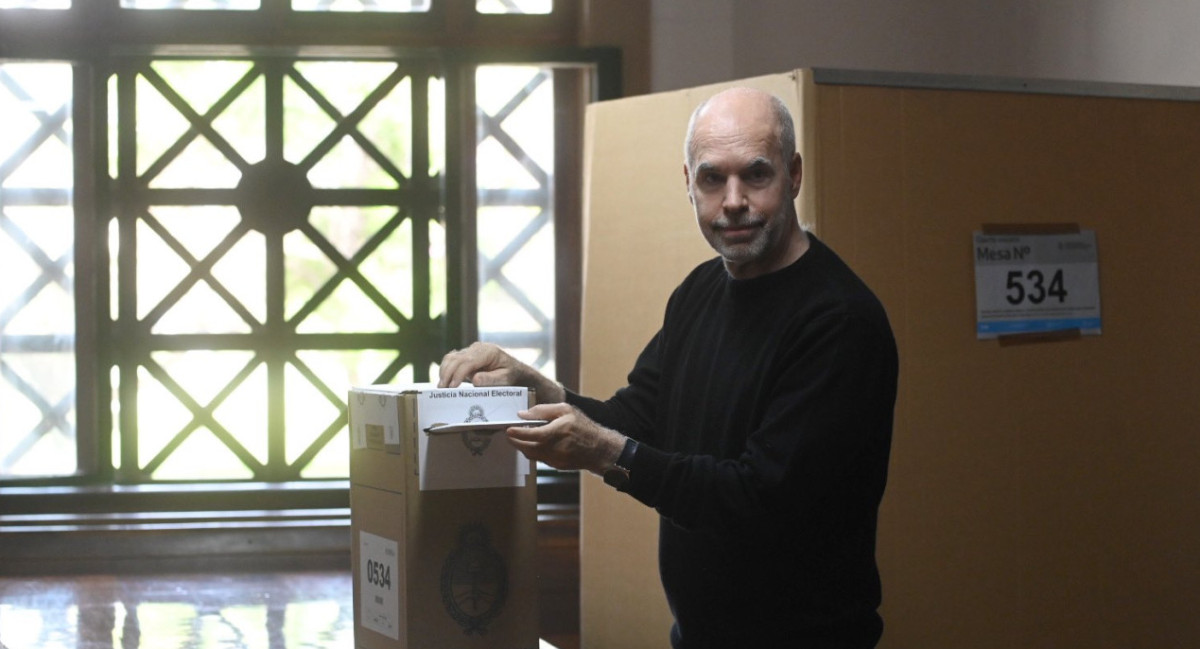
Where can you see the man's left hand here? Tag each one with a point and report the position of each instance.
(569, 441)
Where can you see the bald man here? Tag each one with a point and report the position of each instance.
(757, 421)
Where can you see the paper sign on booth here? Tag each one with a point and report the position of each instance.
(1030, 283)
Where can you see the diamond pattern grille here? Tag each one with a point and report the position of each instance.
(275, 236)
(275, 240)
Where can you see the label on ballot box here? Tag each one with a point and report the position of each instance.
(379, 572)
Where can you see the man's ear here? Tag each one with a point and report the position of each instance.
(796, 171)
(687, 183)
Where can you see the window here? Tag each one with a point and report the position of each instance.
(206, 242)
(37, 308)
(279, 238)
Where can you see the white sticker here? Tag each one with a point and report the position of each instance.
(374, 411)
(1036, 283)
(378, 590)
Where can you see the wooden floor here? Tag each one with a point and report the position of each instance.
(309, 610)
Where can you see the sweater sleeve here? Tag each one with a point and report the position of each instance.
(821, 445)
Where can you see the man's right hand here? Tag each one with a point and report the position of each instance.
(485, 364)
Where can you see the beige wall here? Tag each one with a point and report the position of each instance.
(707, 41)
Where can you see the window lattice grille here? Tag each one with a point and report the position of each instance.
(37, 313)
(256, 230)
(277, 238)
(515, 218)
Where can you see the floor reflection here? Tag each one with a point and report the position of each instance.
(268, 611)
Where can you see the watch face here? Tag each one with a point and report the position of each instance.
(616, 477)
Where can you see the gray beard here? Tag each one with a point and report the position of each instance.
(750, 250)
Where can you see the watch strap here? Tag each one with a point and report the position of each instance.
(617, 476)
(625, 460)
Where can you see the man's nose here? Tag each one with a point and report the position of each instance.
(735, 199)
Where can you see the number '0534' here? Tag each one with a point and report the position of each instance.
(379, 574)
(1033, 287)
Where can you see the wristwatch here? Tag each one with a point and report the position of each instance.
(617, 475)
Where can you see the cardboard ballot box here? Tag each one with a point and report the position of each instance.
(444, 520)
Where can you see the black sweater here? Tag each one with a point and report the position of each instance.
(764, 411)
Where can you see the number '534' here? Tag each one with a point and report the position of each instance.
(1031, 286)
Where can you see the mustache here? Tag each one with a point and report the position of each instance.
(726, 222)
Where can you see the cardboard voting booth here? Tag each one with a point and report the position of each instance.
(444, 519)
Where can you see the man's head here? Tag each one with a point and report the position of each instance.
(743, 174)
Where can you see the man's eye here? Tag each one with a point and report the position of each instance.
(757, 175)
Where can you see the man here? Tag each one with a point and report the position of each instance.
(757, 421)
